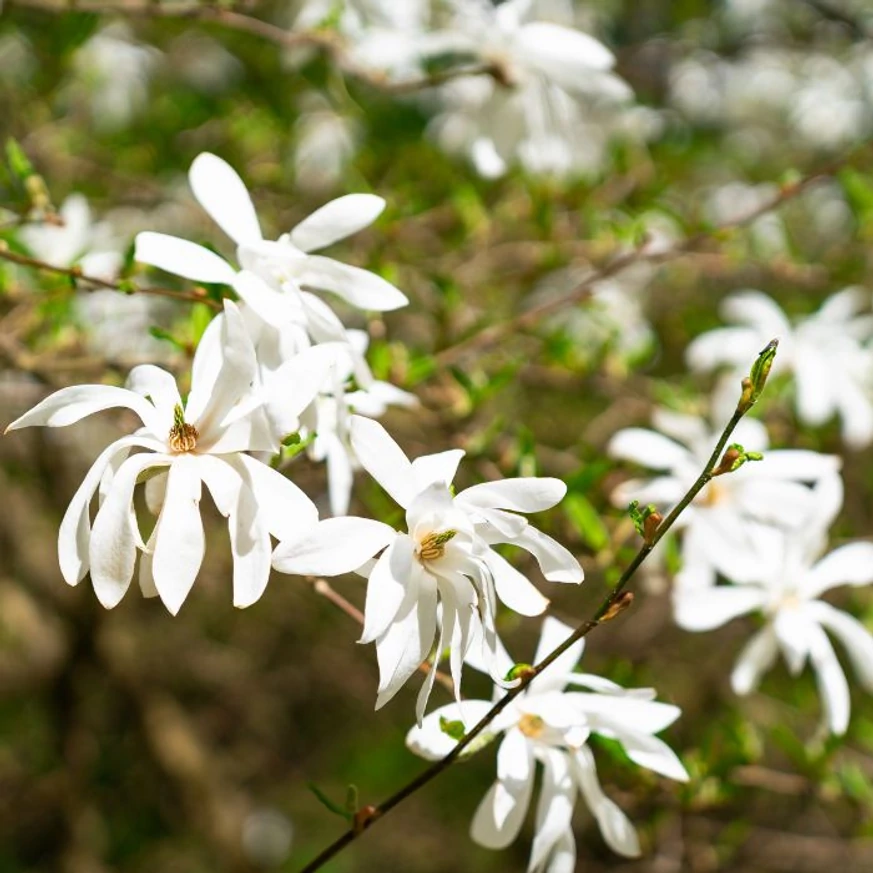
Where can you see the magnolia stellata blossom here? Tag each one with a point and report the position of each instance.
(557, 75)
(275, 273)
(791, 575)
(445, 557)
(550, 723)
(825, 352)
(716, 525)
(202, 441)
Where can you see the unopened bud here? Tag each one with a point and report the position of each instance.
(618, 606)
(520, 671)
(363, 818)
(754, 384)
(640, 517)
(650, 527)
(734, 458)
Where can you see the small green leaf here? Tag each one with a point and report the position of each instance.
(587, 523)
(453, 729)
(327, 802)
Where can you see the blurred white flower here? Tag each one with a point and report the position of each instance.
(717, 526)
(445, 557)
(550, 724)
(558, 77)
(185, 445)
(788, 579)
(324, 142)
(825, 352)
(78, 240)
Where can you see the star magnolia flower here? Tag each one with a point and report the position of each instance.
(274, 271)
(202, 441)
(824, 352)
(717, 524)
(551, 725)
(791, 577)
(554, 70)
(445, 557)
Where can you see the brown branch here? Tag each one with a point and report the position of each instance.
(323, 587)
(493, 333)
(612, 605)
(330, 42)
(95, 283)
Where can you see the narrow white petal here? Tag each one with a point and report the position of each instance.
(851, 564)
(182, 258)
(513, 588)
(220, 191)
(649, 449)
(337, 220)
(726, 345)
(702, 610)
(72, 404)
(383, 459)
(340, 475)
(360, 288)
(556, 562)
(485, 830)
(145, 577)
(533, 494)
(852, 634)
(625, 708)
(831, 680)
(160, 388)
(515, 758)
(440, 467)
(616, 827)
(756, 658)
(652, 753)
(112, 550)
(333, 546)
(273, 307)
(179, 541)
(386, 588)
(552, 634)
(250, 545)
(555, 807)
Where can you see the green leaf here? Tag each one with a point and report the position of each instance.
(587, 523)
(453, 729)
(327, 802)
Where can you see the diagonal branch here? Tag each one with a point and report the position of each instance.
(614, 603)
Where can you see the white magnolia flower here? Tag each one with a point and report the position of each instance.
(186, 445)
(445, 557)
(550, 724)
(275, 273)
(717, 524)
(557, 74)
(786, 588)
(825, 353)
(78, 240)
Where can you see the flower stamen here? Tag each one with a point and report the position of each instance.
(433, 546)
(183, 436)
(531, 725)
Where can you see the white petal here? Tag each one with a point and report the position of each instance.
(182, 258)
(145, 577)
(360, 288)
(386, 588)
(514, 758)
(556, 562)
(430, 741)
(440, 467)
(220, 191)
(74, 536)
(702, 610)
(725, 345)
(625, 708)
(160, 388)
(333, 546)
(653, 754)
(340, 475)
(757, 310)
(555, 807)
(552, 634)
(112, 551)
(816, 398)
(513, 588)
(799, 464)
(532, 494)
(274, 307)
(616, 827)
(179, 540)
(337, 220)
(250, 545)
(648, 448)
(383, 459)
(72, 404)
(756, 658)
(563, 858)
(852, 634)
(851, 564)
(832, 685)
(484, 828)
(566, 57)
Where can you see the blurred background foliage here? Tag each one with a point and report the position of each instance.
(136, 742)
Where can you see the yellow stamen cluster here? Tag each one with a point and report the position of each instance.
(433, 546)
(183, 436)
(531, 725)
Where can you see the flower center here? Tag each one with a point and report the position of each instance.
(433, 546)
(183, 436)
(714, 493)
(531, 725)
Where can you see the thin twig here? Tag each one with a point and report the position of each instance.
(323, 587)
(608, 609)
(325, 40)
(96, 283)
(493, 333)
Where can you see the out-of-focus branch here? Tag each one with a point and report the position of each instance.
(489, 336)
(328, 41)
(94, 283)
(612, 605)
(323, 587)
